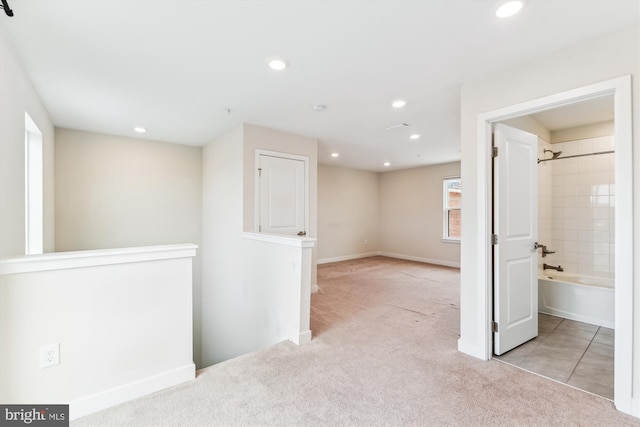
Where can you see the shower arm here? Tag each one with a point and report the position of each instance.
(577, 155)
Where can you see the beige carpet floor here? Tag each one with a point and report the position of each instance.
(383, 354)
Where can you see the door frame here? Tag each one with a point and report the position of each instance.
(305, 159)
(620, 88)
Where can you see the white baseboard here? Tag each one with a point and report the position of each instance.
(420, 259)
(390, 255)
(99, 401)
(471, 349)
(347, 257)
(303, 338)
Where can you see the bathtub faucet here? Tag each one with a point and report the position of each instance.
(552, 267)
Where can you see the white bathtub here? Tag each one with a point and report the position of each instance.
(582, 298)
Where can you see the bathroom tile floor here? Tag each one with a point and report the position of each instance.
(575, 353)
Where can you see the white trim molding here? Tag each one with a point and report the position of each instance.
(117, 395)
(346, 257)
(79, 259)
(421, 259)
(390, 255)
(281, 239)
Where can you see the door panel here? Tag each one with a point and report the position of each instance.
(515, 296)
(282, 195)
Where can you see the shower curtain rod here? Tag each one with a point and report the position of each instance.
(577, 155)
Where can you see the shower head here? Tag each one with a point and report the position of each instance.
(556, 154)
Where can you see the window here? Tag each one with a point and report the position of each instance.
(33, 187)
(452, 203)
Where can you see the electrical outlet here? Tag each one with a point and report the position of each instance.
(366, 242)
(49, 355)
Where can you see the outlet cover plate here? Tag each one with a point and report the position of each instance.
(49, 355)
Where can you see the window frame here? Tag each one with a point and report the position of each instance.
(34, 187)
(446, 209)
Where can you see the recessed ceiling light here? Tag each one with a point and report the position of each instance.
(398, 103)
(139, 129)
(509, 9)
(276, 63)
(335, 154)
(387, 164)
(414, 136)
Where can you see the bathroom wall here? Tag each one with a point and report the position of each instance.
(582, 207)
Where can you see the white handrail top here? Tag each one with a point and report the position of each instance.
(281, 239)
(79, 259)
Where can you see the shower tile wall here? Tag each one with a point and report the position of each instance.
(581, 209)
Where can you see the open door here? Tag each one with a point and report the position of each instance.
(515, 225)
(282, 202)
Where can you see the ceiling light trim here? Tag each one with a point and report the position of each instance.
(509, 9)
(399, 103)
(277, 63)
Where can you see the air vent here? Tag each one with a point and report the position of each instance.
(398, 125)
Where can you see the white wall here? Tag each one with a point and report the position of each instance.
(222, 291)
(18, 97)
(607, 57)
(348, 206)
(233, 321)
(279, 307)
(116, 192)
(601, 59)
(122, 319)
(411, 214)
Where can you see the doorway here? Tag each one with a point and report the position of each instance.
(575, 171)
(620, 89)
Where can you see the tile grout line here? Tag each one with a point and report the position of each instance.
(583, 353)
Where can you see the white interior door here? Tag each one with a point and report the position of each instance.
(282, 187)
(515, 192)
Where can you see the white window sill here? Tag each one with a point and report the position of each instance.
(451, 241)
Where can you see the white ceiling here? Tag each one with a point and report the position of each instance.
(174, 67)
(587, 112)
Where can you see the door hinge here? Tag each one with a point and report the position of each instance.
(494, 326)
(259, 171)
(494, 239)
(259, 228)
(494, 152)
